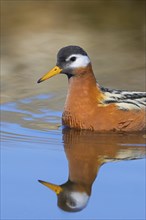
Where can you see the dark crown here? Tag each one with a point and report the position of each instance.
(65, 52)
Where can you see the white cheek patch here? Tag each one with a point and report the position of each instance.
(81, 61)
(80, 198)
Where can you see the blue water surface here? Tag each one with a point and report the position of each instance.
(29, 154)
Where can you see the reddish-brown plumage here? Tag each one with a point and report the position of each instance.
(84, 109)
(90, 107)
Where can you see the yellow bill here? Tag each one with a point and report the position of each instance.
(56, 70)
(56, 188)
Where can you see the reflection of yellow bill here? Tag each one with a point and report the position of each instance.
(57, 189)
(56, 70)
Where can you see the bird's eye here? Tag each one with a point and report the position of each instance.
(72, 58)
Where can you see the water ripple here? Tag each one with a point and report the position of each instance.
(30, 121)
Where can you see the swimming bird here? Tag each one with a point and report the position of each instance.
(91, 106)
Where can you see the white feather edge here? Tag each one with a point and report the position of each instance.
(132, 105)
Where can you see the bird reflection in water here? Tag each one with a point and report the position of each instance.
(86, 152)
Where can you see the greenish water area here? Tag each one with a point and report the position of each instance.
(106, 170)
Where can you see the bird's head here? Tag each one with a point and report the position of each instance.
(71, 197)
(70, 60)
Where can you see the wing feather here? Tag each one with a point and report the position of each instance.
(124, 99)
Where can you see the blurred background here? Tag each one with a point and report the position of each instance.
(112, 33)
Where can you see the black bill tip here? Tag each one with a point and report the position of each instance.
(39, 81)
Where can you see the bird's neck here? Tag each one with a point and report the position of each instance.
(82, 99)
(83, 88)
